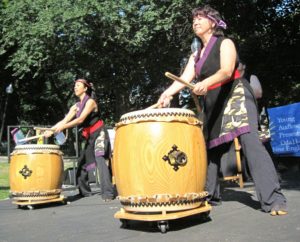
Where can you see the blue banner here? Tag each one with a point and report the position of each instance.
(285, 129)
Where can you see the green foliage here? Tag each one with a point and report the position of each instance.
(124, 47)
(4, 182)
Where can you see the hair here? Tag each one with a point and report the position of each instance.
(90, 87)
(208, 10)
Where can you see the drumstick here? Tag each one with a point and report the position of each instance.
(176, 78)
(43, 128)
(36, 136)
(31, 138)
(157, 105)
(191, 86)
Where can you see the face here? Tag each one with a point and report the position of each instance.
(202, 25)
(79, 88)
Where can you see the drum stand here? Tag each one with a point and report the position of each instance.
(239, 177)
(30, 202)
(161, 217)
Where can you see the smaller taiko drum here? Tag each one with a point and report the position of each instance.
(36, 172)
(159, 161)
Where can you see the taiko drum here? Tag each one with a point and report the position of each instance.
(36, 172)
(159, 160)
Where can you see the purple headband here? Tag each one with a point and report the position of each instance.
(84, 82)
(219, 23)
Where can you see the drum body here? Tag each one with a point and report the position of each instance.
(159, 161)
(36, 172)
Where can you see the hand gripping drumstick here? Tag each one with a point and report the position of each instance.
(176, 78)
(191, 86)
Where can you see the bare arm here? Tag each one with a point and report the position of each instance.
(188, 75)
(70, 115)
(69, 122)
(227, 66)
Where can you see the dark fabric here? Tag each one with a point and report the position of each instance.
(87, 159)
(102, 144)
(80, 105)
(200, 61)
(83, 183)
(228, 166)
(260, 164)
(216, 99)
(85, 162)
(103, 158)
(108, 190)
(96, 154)
(91, 119)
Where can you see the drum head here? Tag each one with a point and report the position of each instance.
(36, 148)
(161, 114)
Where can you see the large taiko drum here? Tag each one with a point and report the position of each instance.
(35, 172)
(159, 161)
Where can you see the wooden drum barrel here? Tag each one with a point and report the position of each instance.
(159, 161)
(35, 172)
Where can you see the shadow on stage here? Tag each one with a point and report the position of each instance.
(3, 188)
(62, 202)
(290, 180)
(174, 225)
(244, 197)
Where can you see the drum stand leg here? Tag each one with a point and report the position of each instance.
(161, 217)
(239, 177)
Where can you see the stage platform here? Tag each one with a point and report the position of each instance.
(91, 219)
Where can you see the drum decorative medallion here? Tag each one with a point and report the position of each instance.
(25, 172)
(176, 158)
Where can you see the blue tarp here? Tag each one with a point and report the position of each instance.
(285, 129)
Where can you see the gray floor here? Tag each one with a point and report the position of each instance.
(90, 219)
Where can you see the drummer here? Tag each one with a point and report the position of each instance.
(229, 109)
(85, 115)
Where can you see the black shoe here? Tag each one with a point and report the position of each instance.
(86, 194)
(215, 202)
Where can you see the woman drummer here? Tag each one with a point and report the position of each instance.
(85, 115)
(229, 109)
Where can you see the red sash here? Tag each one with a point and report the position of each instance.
(86, 132)
(235, 75)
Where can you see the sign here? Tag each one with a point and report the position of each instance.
(285, 129)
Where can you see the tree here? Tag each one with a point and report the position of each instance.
(125, 47)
